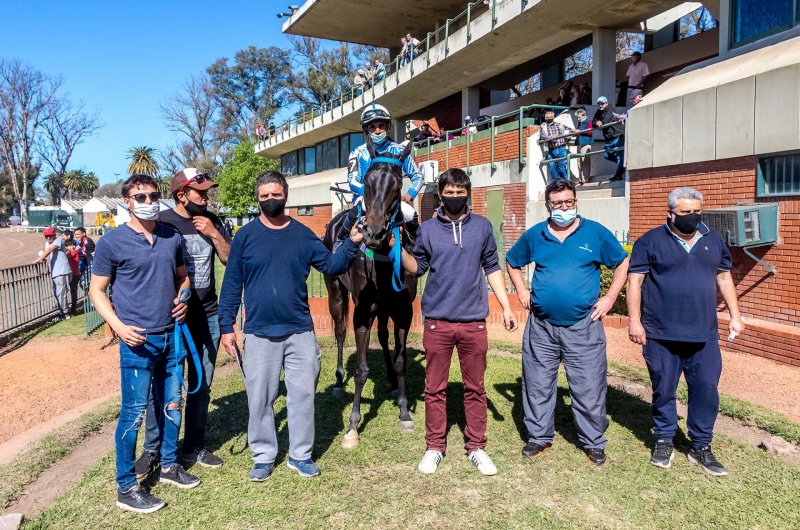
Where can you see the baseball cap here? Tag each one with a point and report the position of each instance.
(602, 99)
(201, 180)
(50, 231)
(635, 92)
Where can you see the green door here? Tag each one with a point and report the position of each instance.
(494, 212)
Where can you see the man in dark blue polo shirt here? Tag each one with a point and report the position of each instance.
(672, 302)
(565, 321)
(143, 262)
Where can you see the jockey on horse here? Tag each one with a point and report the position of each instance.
(376, 121)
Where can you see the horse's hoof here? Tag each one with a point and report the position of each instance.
(394, 394)
(338, 392)
(350, 440)
(406, 426)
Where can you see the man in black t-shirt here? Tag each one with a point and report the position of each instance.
(202, 236)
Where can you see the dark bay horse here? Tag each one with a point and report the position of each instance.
(370, 282)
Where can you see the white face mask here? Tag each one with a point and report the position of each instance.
(146, 212)
(563, 217)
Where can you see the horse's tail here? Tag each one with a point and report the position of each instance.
(333, 229)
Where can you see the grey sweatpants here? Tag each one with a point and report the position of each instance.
(582, 348)
(299, 356)
(60, 291)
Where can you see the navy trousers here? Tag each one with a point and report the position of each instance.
(701, 364)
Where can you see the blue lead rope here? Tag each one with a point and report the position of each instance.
(182, 332)
(396, 253)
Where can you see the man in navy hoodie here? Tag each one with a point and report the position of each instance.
(458, 249)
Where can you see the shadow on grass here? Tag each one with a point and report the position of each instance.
(627, 410)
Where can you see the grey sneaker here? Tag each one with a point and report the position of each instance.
(306, 468)
(137, 499)
(704, 458)
(663, 454)
(261, 472)
(177, 476)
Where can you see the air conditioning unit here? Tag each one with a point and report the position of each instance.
(430, 171)
(749, 225)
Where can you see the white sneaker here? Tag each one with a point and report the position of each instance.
(430, 462)
(482, 462)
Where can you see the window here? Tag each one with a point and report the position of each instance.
(696, 22)
(356, 139)
(754, 19)
(311, 162)
(779, 175)
(578, 63)
(289, 164)
(301, 163)
(330, 154)
(344, 149)
(305, 210)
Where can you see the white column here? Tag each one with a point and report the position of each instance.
(604, 64)
(470, 103)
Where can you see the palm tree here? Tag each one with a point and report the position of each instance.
(164, 185)
(53, 184)
(142, 161)
(89, 183)
(73, 181)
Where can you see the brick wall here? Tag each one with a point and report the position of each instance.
(771, 303)
(506, 147)
(514, 197)
(318, 221)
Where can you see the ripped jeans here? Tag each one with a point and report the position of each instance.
(139, 365)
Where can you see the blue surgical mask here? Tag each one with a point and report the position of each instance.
(378, 139)
(563, 217)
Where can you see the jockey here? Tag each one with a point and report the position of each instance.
(376, 121)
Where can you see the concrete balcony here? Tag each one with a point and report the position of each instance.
(468, 56)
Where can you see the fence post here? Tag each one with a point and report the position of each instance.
(428, 48)
(429, 148)
(494, 12)
(493, 165)
(13, 299)
(469, 16)
(469, 135)
(522, 160)
(447, 37)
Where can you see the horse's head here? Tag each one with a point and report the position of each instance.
(383, 184)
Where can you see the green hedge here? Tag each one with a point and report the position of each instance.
(606, 275)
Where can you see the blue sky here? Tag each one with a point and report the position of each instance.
(123, 57)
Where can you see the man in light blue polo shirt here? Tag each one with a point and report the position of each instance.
(565, 321)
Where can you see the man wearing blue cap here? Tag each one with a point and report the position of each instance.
(614, 135)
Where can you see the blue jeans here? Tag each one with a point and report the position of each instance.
(152, 362)
(205, 334)
(558, 170)
(619, 156)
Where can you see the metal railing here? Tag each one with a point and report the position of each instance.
(92, 318)
(392, 69)
(26, 296)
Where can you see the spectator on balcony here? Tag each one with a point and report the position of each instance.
(637, 72)
(557, 147)
(424, 133)
(409, 51)
(575, 94)
(358, 81)
(380, 70)
(585, 142)
(613, 135)
(368, 74)
(271, 129)
(586, 94)
(636, 97)
(563, 99)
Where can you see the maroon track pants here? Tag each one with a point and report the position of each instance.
(472, 341)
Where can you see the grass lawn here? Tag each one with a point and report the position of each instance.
(378, 486)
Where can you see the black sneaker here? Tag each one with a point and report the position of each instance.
(704, 458)
(663, 454)
(534, 450)
(137, 499)
(146, 464)
(177, 476)
(203, 457)
(596, 457)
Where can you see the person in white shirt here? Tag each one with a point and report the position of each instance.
(637, 73)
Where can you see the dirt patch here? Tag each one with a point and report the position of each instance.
(19, 248)
(47, 377)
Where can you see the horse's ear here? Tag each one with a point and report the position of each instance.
(373, 153)
(406, 151)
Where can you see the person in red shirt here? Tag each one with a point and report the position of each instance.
(74, 258)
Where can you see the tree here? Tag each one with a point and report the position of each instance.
(697, 21)
(26, 98)
(193, 115)
(250, 90)
(73, 181)
(65, 127)
(320, 74)
(364, 53)
(142, 161)
(112, 191)
(89, 183)
(53, 183)
(238, 178)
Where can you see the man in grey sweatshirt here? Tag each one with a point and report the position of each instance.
(458, 248)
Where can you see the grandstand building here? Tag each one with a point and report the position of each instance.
(721, 112)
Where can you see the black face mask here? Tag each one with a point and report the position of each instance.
(687, 224)
(454, 205)
(272, 207)
(194, 209)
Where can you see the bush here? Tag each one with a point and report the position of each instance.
(606, 275)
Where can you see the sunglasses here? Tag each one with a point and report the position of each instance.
(199, 179)
(375, 114)
(155, 196)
